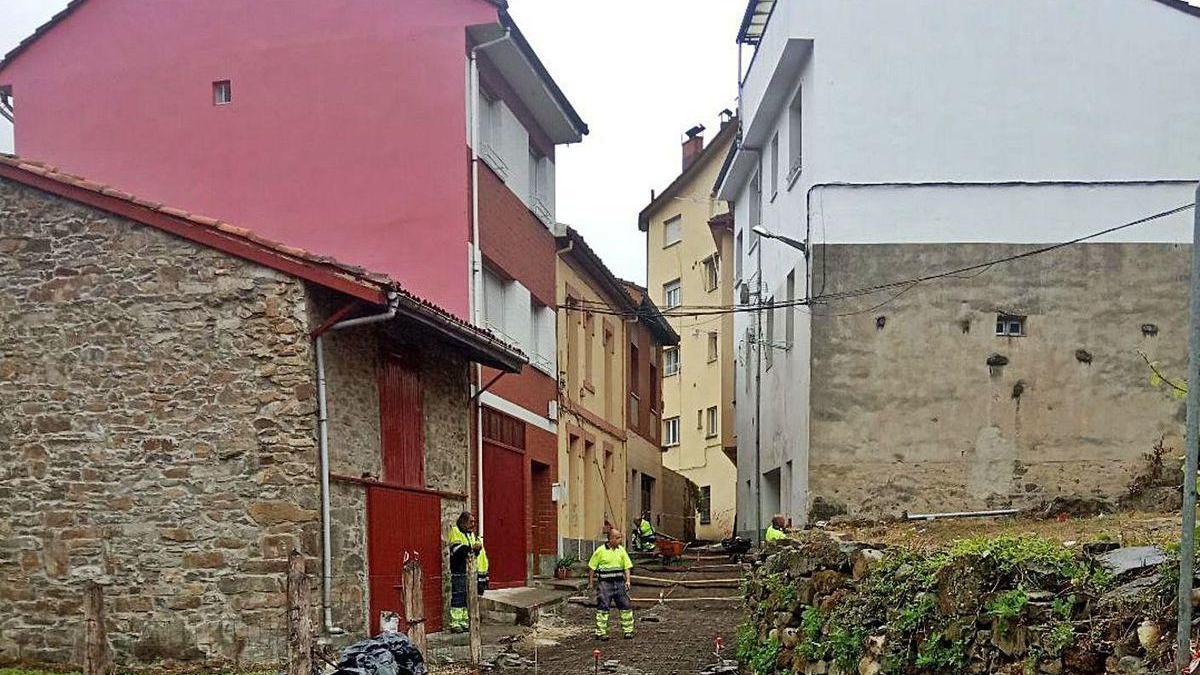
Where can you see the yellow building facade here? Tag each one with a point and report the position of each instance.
(689, 241)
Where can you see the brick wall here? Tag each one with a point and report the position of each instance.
(513, 240)
(156, 435)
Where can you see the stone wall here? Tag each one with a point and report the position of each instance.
(909, 416)
(157, 412)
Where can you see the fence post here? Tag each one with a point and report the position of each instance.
(97, 659)
(300, 629)
(473, 611)
(414, 602)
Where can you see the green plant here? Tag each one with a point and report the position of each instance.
(1063, 607)
(1007, 606)
(758, 656)
(910, 617)
(1059, 638)
(938, 653)
(566, 562)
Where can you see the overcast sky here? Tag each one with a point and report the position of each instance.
(640, 72)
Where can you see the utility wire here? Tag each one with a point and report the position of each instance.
(600, 307)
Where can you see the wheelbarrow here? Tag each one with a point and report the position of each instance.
(669, 549)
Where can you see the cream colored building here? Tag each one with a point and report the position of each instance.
(609, 458)
(689, 239)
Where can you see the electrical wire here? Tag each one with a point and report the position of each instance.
(600, 307)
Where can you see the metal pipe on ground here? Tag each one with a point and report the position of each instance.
(962, 514)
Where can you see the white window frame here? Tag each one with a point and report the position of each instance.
(670, 432)
(795, 137)
(671, 365)
(710, 267)
(491, 130)
(672, 288)
(714, 345)
(1005, 325)
(774, 166)
(711, 422)
(677, 223)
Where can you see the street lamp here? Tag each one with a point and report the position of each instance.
(758, 339)
(761, 231)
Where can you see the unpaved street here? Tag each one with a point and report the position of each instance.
(677, 626)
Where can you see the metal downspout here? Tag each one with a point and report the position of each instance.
(477, 260)
(323, 445)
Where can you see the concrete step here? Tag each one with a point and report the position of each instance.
(574, 584)
(526, 604)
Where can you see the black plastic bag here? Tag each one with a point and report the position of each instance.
(385, 654)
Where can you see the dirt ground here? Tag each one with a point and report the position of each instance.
(676, 628)
(1133, 528)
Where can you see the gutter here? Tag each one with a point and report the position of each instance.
(323, 445)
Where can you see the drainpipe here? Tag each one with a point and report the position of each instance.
(476, 294)
(323, 445)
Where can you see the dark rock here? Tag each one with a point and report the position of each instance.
(961, 586)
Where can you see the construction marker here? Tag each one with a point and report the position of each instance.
(720, 643)
(596, 655)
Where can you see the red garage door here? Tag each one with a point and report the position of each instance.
(401, 522)
(504, 514)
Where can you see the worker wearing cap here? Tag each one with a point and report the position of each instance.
(611, 564)
(778, 529)
(645, 538)
(464, 543)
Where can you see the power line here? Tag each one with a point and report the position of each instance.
(905, 285)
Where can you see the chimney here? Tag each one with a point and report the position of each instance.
(726, 117)
(693, 145)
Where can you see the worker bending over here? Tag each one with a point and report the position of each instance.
(611, 564)
(644, 537)
(778, 529)
(464, 543)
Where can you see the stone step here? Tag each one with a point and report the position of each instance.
(527, 604)
(573, 584)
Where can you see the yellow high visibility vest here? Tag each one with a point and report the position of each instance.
(459, 538)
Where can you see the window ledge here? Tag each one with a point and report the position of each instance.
(591, 388)
(672, 244)
(793, 176)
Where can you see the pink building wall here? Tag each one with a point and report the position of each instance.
(346, 135)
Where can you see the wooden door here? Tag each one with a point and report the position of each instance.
(504, 514)
(403, 523)
(402, 420)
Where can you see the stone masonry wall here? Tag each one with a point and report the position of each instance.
(908, 415)
(156, 434)
(351, 366)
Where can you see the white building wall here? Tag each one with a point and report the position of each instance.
(1085, 101)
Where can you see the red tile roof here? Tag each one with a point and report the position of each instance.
(321, 270)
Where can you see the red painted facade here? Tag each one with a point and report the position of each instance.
(345, 132)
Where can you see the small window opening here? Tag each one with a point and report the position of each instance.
(1009, 325)
(222, 92)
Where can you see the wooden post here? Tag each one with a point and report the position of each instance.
(300, 628)
(414, 602)
(473, 611)
(97, 658)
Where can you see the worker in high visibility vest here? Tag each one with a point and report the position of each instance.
(463, 543)
(644, 537)
(611, 564)
(777, 530)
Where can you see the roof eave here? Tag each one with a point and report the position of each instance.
(580, 127)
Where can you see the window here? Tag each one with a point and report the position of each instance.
(672, 231)
(655, 404)
(738, 253)
(670, 361)
(539, 184)
(795, 136)
(705, 506)
(747, 362)
(710, 422)
(671, 294)
(634, 380)
(1010, 325)
(774, 166)
(789, 322)
(699, 419)
(712, 346)
(769, 340)
(222, 92)
(494, 291)
(755, 208)
(671, 431)
(490, 130)
(589, 331)
(543, 353)
(712, 269)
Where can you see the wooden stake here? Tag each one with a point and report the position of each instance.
(97, 659)
(473, 611)
(414, 602)
(300, 628)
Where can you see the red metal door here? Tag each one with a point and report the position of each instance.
(402, 420)
(504, 514)
(402, 522)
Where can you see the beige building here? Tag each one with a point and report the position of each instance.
(688, 238)
(609, 453)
